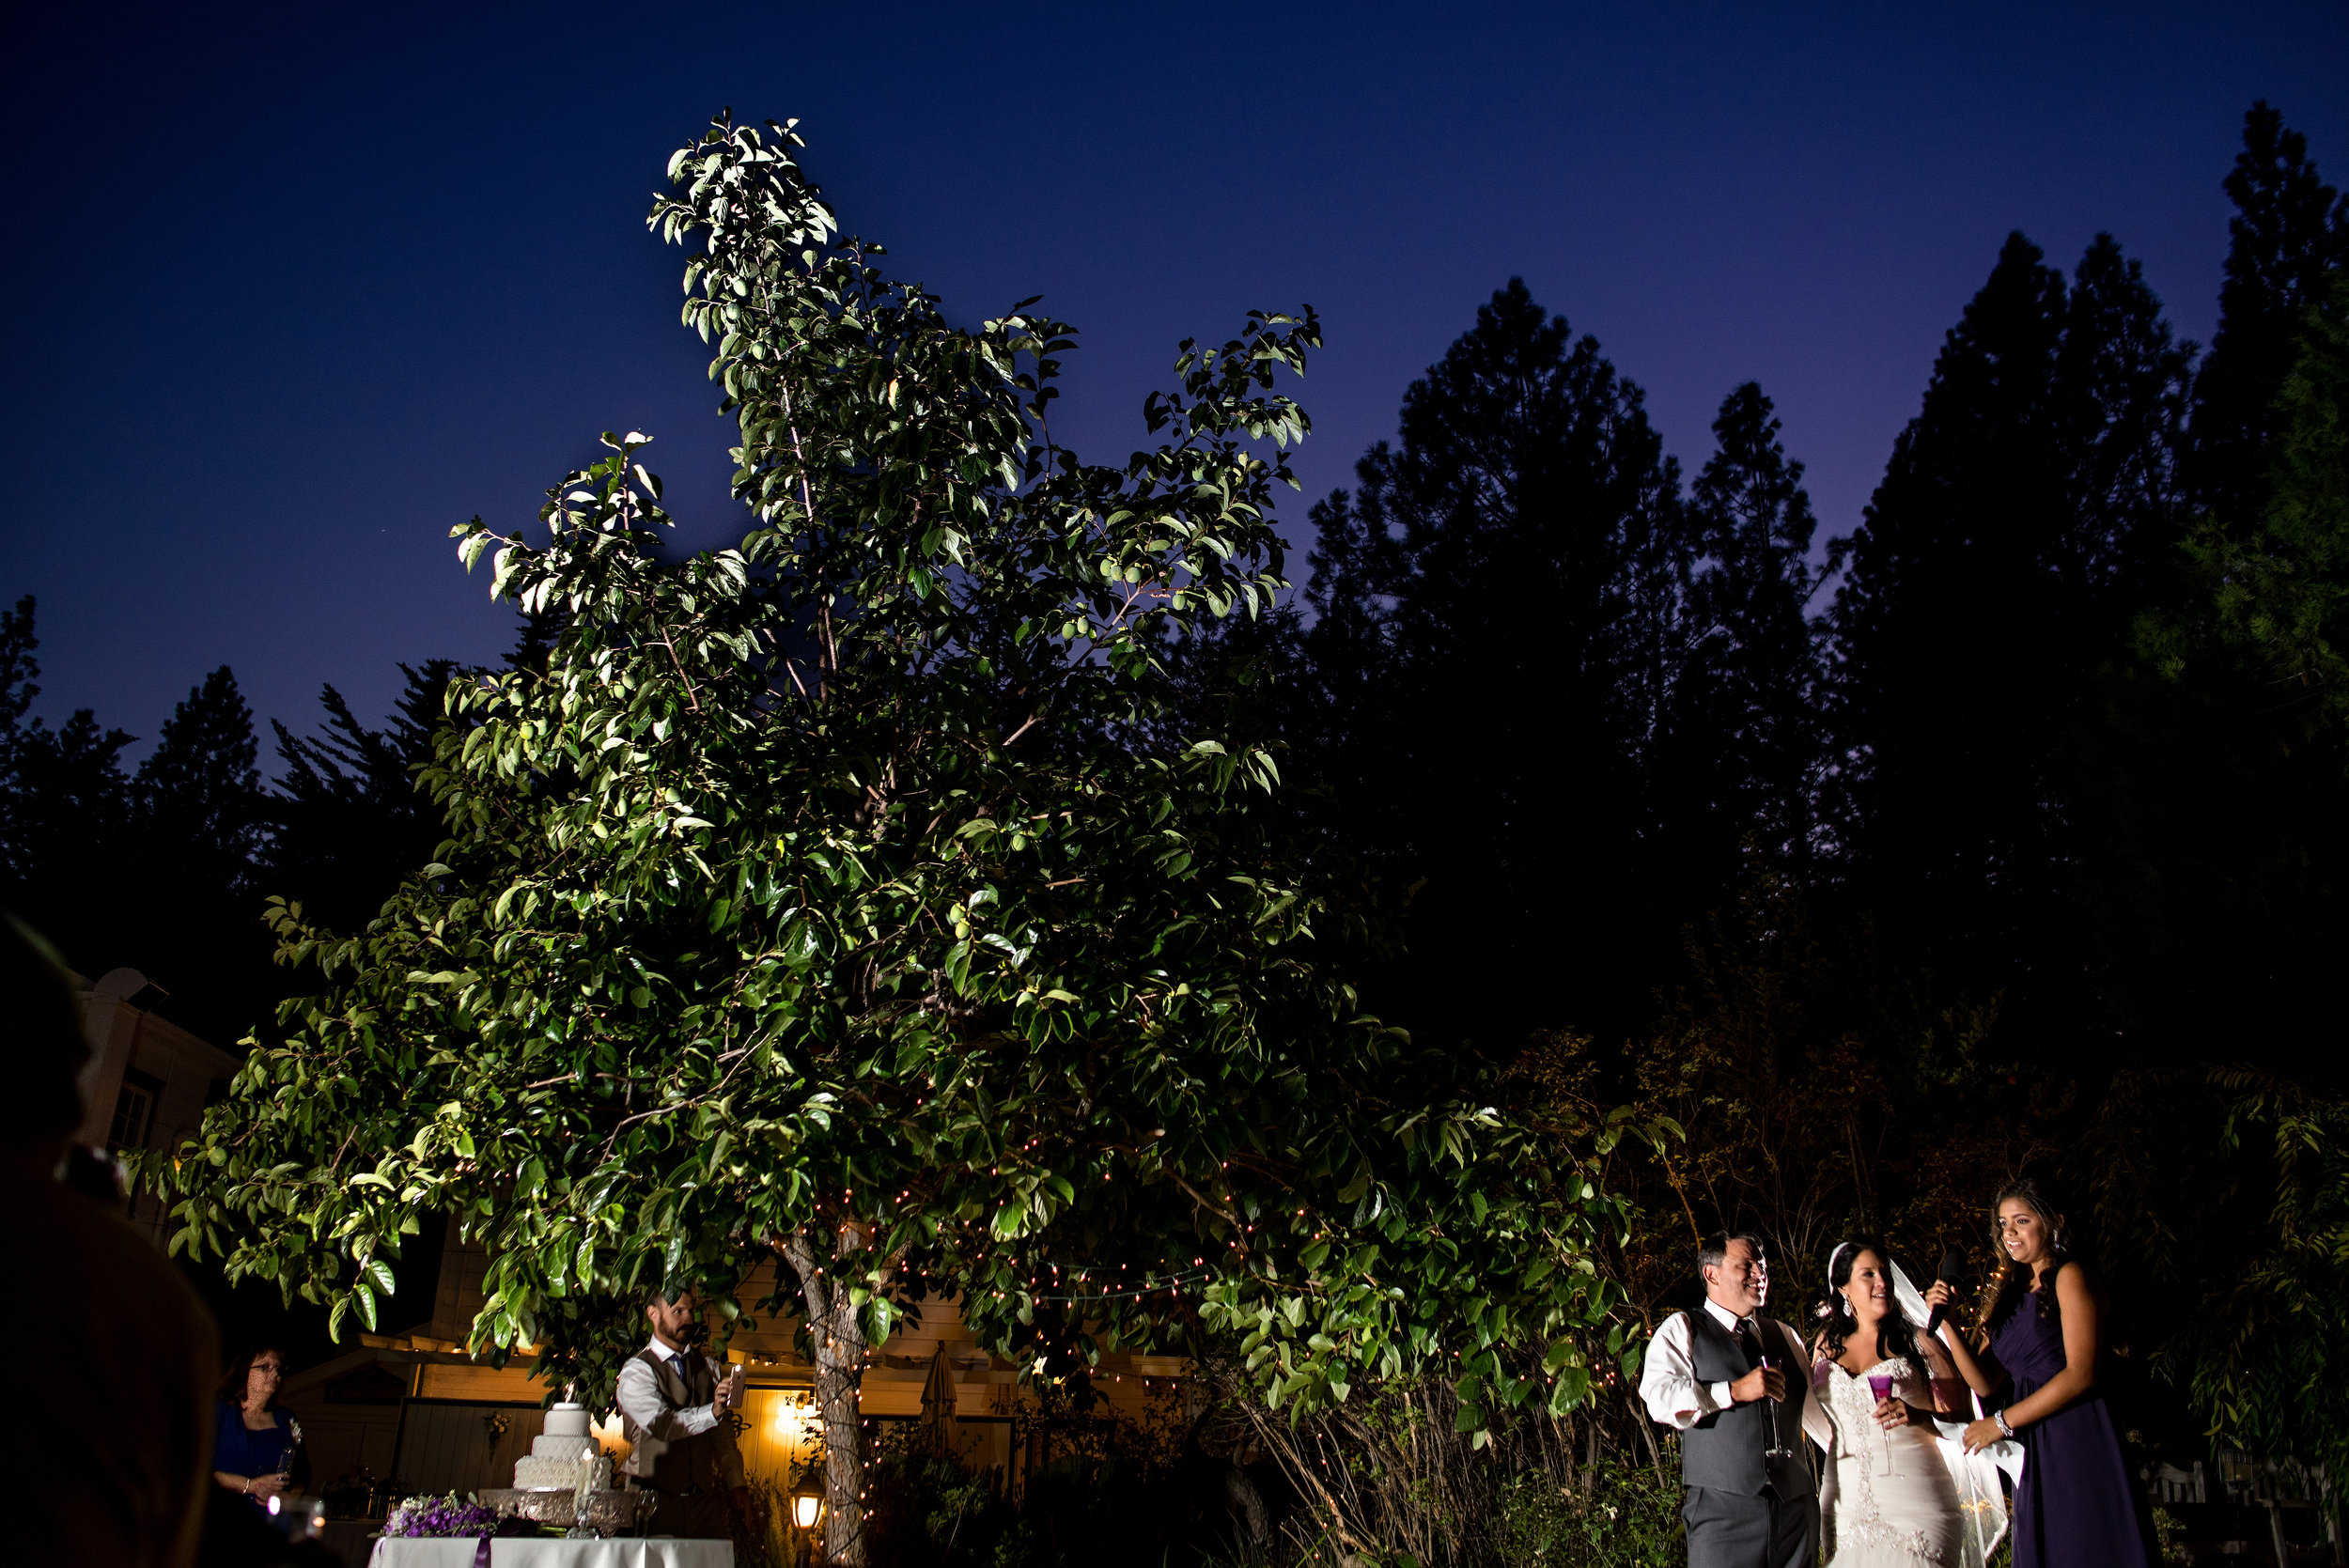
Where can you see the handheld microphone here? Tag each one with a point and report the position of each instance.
(1952, 1265)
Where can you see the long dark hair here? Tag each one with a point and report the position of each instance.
(232, 1382)
(2014, 1282)
(1896, 1338)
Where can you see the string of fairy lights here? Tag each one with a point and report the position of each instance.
(1115, 1286)
(1170, 1284)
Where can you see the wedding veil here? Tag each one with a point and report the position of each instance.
(1982, 1505)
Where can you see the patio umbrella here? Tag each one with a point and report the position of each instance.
(938, 1401)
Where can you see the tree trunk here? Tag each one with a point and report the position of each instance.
(838, 1343)
(1240, 1493)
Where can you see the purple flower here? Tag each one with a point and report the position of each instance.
(448, 1515)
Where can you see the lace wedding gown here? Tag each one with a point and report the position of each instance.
(1909, 1519)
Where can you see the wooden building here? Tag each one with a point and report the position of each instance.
(147, 1081)
(415, 1406)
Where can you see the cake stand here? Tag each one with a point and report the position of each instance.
(609, 1512)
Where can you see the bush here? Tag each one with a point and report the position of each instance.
(1101, 1488)
(1628, 1517)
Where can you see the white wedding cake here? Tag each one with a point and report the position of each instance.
(560, 1453)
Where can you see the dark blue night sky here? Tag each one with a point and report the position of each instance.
(289, 293)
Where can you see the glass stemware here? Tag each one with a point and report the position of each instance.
(285, 1454)
(1778, 1448)
(1881, 1385)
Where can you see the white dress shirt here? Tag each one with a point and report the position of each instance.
(1669, 1390)
(641, 1401)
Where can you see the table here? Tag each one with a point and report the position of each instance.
(659, 1551)
(350, 1540)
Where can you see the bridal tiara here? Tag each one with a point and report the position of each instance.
(1827, 1308)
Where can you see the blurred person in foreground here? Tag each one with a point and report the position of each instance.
(110, 1446)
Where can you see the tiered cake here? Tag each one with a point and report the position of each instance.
(560, 1453)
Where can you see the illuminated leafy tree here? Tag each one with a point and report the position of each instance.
(838, 898)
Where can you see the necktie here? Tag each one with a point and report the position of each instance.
(676, 1364)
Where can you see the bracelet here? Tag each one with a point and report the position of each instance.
(248, 1486)
(1999, 1416)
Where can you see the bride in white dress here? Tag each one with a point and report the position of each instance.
(1898, 1494)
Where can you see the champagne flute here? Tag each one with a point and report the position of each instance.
(1778, 1448)
(1881, 1385)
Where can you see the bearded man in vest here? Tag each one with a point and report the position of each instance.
(673, 1408)
(1734, 1385)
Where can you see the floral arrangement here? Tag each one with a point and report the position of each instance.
(452, 1516)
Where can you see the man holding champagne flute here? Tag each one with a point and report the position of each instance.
(1719, 1377)
(674, 1404)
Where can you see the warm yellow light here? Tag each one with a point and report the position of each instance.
(804, 1508)
(794, 1417)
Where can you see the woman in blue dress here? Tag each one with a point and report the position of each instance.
(254, 1445)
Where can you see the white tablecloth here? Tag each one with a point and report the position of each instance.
(619, 1552)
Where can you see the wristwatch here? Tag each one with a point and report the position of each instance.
(1999, 1416)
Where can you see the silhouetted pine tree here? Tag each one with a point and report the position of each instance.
(2290, 229)
(1995, 578)
(191, 918)
(535, 641)
(2220, 885)
(65, 806)
(1738, 770)
(2214, 879)
(349, 821)
(200, 798)
(1499, 611)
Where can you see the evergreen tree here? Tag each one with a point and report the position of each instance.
(2290, 229)
(2225, 858)
(2221, 839)
(1743, 751)
(198, 794)
(534, 645)
(2121, 382)
(192, 918)
(19, 669)
(1497, 609)
(2281, 588)
(1995, 575)
(154, 870)
(64, 808)
(1347, 651)
(349, 821)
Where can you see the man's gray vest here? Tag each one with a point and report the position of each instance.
(1723, 1451)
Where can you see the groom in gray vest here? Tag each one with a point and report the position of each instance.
(1749, 1503)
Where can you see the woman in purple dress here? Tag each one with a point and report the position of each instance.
(2074, 1507)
